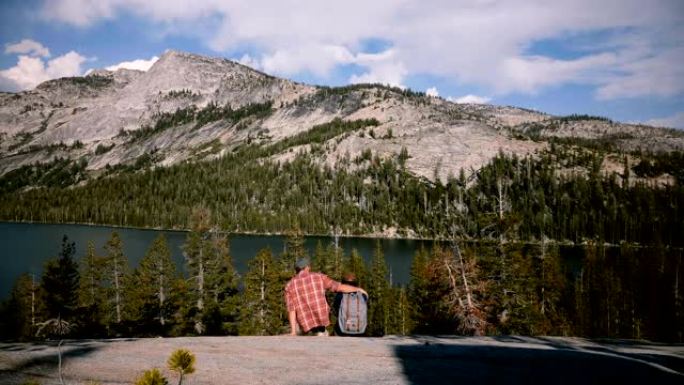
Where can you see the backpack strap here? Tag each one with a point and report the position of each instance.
(346, 308)
(358, 312)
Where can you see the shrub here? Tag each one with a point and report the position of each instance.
(183, 362)
(151, 377)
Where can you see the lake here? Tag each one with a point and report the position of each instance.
(26, 247)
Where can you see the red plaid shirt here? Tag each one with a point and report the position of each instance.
(305, 294)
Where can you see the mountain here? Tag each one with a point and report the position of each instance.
(269, 155)
(113, 118)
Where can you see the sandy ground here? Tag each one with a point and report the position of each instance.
(335, 360)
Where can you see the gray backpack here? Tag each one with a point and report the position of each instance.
(353, 314)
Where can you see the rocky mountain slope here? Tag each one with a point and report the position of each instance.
(190, 107)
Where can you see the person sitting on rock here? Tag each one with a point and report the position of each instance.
(306, 302)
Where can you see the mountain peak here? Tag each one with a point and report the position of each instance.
(170, 56)
(100, 106)
(174, 61)
(174, 53)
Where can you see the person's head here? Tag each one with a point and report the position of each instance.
(349, 279)
(301, 264)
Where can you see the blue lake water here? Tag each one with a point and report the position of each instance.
(27, 246)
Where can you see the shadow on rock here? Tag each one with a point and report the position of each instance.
(438, 363)
(48, 357)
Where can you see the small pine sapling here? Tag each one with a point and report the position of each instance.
(183, 362)
(152, 377)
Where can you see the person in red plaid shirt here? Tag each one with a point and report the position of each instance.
(305, 299)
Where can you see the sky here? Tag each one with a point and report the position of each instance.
(622, 59)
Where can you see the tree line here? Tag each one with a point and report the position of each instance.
(211, 113)
(460, 286)
(562, 193)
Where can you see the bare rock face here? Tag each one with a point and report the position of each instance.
(335, 360)
(220, 81)
(96, 116)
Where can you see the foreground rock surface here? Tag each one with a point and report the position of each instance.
(319, 360)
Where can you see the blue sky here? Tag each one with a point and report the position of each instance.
(615, 58)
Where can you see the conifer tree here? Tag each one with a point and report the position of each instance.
(196, 251)
(117, 269)
(221, 287)
(294, 249)
(23, 310)
(213, 287)
(419, 293)
(337, 256)
(182, 319)
(328, 260)
(91, 290)
(402, 312)
(91, 278)
(357, 266)
(153, 282)
(262, 300)
(322, 261)
(60, 283)
(549, 286)
(399, 320)
(378, 291)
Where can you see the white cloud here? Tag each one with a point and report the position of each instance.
(78, 12)
(391, 74)
(138, 64)
(83, 13)
(470, 99)
(673, 121)
(249, 61)
(68, 64)
(27, 46)
(480, 42)
(655, 75)
(31, 71)
(26, 74)
(432, 91)
(383, 67)
(380, 67)
(319, 59)
(529, 74)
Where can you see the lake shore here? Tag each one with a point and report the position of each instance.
(376, 235)
(387, 234)
(335, 360)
